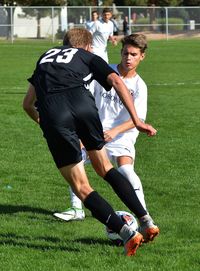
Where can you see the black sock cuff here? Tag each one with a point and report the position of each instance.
(110, 175)
(92, 196)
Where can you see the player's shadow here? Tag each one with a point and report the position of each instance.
(16, 240)
(10, 209)
(53, 243)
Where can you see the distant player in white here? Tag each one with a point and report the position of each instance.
(102, 31)
(119, 131)
(89, 23)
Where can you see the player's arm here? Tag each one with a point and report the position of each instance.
(113, 40)
(29, 103)
(109, 135)
(114, 80)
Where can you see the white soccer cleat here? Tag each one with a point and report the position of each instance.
(71, 214)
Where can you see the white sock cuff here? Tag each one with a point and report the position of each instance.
(126, 166)
(75, 201)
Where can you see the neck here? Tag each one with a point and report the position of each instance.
(126, 73)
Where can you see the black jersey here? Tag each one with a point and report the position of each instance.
(67, 109)
(63, 68)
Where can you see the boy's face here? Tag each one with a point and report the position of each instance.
(106, 16)
(131, 57)
(94, 16)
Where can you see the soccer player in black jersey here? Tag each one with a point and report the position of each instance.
(67, 114)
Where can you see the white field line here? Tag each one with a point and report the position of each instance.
(11, 89)
(174, 84)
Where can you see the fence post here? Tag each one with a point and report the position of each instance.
(52, 25)
(67, 18)
(12, 26)
(129, 20)
(167, 23)
(90, 13)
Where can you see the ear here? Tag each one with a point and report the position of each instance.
(142, 56)
(88, 47)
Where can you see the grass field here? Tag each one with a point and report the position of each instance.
(31, 189)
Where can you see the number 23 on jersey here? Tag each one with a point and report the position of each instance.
(59, 55)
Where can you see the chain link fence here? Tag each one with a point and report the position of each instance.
(52, 22)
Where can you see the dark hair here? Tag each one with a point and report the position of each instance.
(105, 10)
(95, 11)
(136, 40)
(77, 37)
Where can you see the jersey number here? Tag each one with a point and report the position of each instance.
(65, 56)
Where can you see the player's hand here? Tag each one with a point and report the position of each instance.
(146, 128)
(115, 42)
(109, 135)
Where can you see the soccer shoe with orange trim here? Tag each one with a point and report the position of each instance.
(149, 230)
(133, 244)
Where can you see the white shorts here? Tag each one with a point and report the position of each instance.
(121, 146)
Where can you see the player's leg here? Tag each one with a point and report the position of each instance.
(125, 167)
(119, 183)
(100, 209)
(124, 190)
(75, 212)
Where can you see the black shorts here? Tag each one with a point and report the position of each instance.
(65, 118)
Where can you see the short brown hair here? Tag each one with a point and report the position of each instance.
(95, 11)
(136, 40)
(105, 10)
(78, 37)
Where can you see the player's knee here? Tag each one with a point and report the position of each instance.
(101, 170)
(83, 191)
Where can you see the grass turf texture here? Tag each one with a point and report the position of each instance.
(31, 189)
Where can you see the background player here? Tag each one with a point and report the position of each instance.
(95, 17)
(102, 31)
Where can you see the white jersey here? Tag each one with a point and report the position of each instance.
(88, 25)
(113, 113)
(101, 31)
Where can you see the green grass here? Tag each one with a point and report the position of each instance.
(31, 188)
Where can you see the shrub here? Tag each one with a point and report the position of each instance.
(175, 24)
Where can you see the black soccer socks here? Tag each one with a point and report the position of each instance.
(103, 212)
(125, 191)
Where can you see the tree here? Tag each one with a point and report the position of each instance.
(191, 3)
(131, 2)
(82, 3)
(150, 2)
(164, 2)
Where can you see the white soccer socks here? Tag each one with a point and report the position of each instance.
(128, 171)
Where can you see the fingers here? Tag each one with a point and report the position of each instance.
(151, 131)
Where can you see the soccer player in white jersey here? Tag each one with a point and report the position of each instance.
(90, 23)
(102, 31)
(119, 131)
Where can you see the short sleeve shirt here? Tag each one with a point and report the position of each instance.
(111, 109)
(101, 32)
(62, 68)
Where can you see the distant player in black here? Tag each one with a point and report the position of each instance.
(67, 114)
